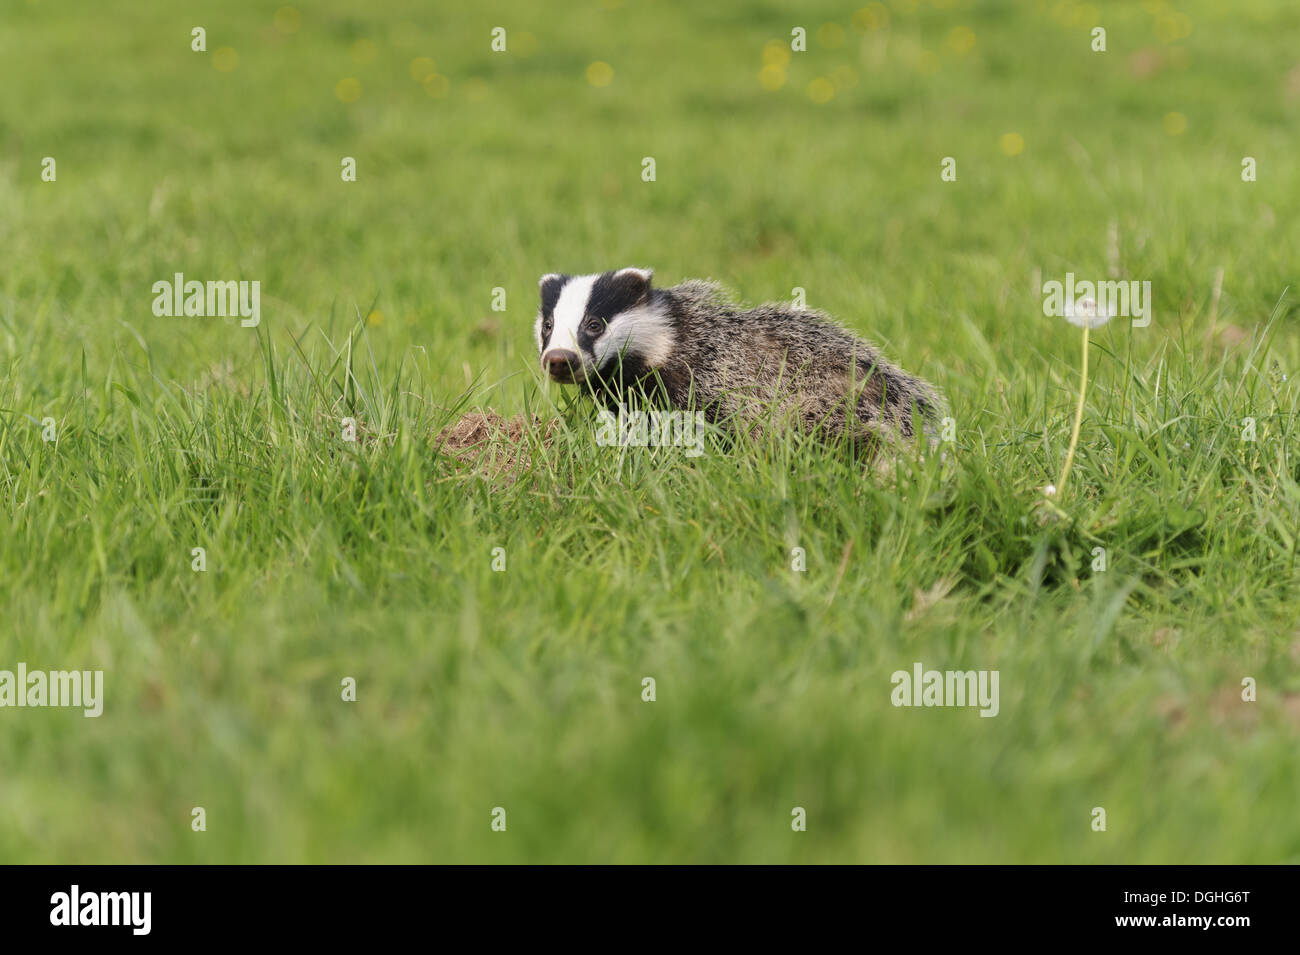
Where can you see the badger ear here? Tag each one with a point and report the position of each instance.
(550, 285)
(633, 285)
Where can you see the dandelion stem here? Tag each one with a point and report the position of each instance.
(1078, 419)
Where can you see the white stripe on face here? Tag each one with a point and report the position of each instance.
(569, 312)
(642, 331)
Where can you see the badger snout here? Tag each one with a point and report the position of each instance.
(562, 365)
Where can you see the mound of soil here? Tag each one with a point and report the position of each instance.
(495, 447)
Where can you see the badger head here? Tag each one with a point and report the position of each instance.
(589, 323)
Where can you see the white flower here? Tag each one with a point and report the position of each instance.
(1086, 312)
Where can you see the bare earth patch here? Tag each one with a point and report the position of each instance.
(495, 447)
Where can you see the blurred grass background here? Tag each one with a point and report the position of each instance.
(774, 170)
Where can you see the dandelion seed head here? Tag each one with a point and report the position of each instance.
(1086, 311)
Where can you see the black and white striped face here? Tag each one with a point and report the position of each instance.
(587, 322)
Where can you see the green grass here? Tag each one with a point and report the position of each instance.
(373, 560)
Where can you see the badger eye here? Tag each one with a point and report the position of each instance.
(595, 325)
(546, 326)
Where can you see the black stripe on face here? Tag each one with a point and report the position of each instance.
(611, 294)
(551, 293)
(616, 292)
(550, 290)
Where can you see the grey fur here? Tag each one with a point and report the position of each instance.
(750, 367)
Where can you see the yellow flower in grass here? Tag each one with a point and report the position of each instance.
(771, 77)
(961, 40)
(776, 53)
(523, 45)
(225, 59)
(422, 68)
(831, 35)
(821, 90)
(874, 16)
(437, 86)
(348, 89)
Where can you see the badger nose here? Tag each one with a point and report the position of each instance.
(560, 362)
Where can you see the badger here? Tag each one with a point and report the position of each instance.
(747, 369)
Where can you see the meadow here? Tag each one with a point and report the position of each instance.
(1122, 622)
